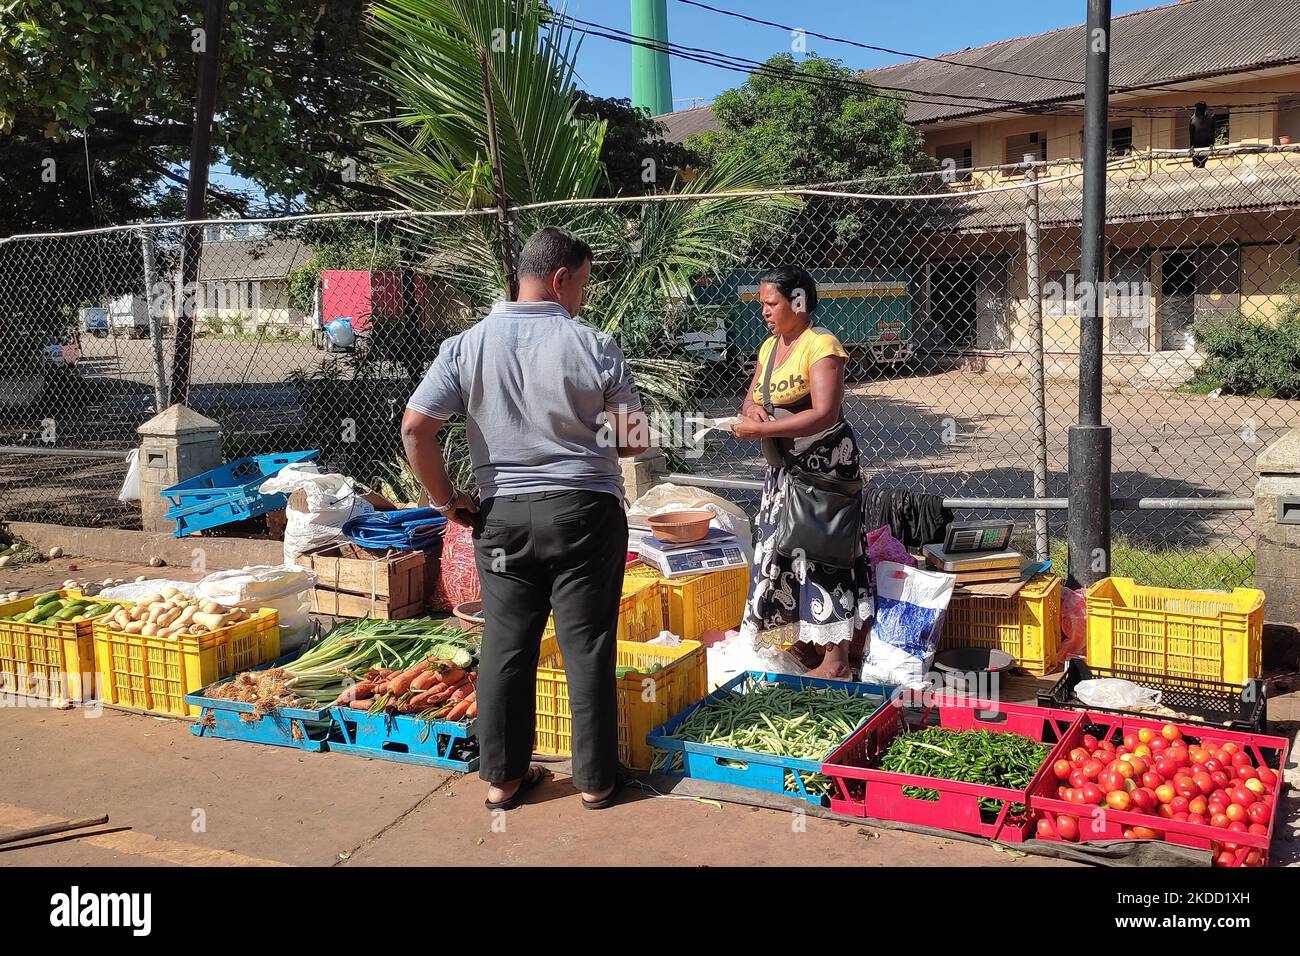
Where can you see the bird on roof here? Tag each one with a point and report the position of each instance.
(1201, 133)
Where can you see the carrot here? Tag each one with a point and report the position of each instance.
(420, 701)
(451, 675)
(460, 710)
(424, 681)
(463, 691)
(401, 683)
(360, 704)
(447, 692)
(362, 691)
(473, 709)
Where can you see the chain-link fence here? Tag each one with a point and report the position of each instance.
(938, 285)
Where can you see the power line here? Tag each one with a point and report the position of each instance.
(933, 59)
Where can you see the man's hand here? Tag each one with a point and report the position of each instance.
(462, 509)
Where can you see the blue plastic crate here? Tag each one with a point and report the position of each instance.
(446, 744)
(747, 768)
(297, 727)
(229, 493)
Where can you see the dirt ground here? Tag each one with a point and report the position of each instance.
(175, 799)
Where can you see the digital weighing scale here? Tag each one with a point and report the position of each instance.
(718, 551)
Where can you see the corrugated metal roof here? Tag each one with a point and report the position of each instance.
(1180, 41)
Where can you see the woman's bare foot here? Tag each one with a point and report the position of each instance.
(834, 665)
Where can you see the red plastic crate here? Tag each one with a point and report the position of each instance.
(1103, 823)
(863, 791)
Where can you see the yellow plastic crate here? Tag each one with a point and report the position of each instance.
(640, 612)
(1027, 626)
(698, 602)
(155, 673)
(55, 661)
(1209, 635)
(644, 700)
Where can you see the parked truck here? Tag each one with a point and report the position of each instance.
(364, 298)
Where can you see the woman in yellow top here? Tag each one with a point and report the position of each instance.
(796, 599)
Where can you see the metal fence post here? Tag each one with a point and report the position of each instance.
(1037, 373)
(1090, 440)
(155, 320)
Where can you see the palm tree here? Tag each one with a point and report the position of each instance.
(434, 154)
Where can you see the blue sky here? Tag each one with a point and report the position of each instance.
(938, 26)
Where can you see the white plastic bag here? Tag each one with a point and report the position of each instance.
(665, 639)
(331, 501)
(134, 590)
(286, 588)
(1116, 693)
(131, 485)
(910, 605)
(727, 515)
(736, 654)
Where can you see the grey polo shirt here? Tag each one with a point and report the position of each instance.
(533, 384)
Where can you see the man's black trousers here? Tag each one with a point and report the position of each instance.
(552, 550)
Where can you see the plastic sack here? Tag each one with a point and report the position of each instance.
(910, 604)
(331, 501)
(134, 590)
(1074, 623)
(131, 484)
(727, 515)
(1116, 693)
(457, 572)
(883, 546)
(736, 654)
(286, 588)
(665, 639)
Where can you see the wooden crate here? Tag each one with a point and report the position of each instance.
(352, 581)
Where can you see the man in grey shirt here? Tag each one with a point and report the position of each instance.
(549, 407)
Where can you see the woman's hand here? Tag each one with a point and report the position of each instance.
(748, 428)
(755, 413)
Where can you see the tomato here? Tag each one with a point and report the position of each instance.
(1093, 767)
(1165, 767)
(1253, 858)
(1078, 777)
(1241, 760)
(1225, 858)
(1181, 816)
(1090, 742)
(1078, 757)
(1146, 735)
(1204, 782)
(1238, 826)
(1267, 776)
(1185, 787)
(1165, 793)
(1259, 829)
(1180, 804)
(1242, 796)
(1198, 755)
(1131, 741)
(1062, 769)
(1220, 820)
(1215, 807)
(1151, 780)
(1109, 780)
(1142, 750)
(1258, 813)
(1105, 756)
(1255, 786)
(1159, 744)
(1199, 818)
(1235, 812)
(1246, 773)
(1139, 764)
(1220, 778)
(1166, 811)
(1120, 800)
(1144, 800)
(1046, 831)
(1067, 827)
(1093, 794)
(1178, 755)
(1170, 732)
(1231, 747)
(1197, 805)
(1124, 769)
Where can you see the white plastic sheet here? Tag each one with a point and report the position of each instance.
(286, 588)
(727, 515)
(1116, 693)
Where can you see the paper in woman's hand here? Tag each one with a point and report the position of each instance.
(705, 425)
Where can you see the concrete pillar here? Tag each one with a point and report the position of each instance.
(175, 444)
(642, 473)
(1277, 528)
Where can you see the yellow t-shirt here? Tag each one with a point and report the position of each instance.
(792, 379)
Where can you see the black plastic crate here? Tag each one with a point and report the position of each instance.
(1230, 706)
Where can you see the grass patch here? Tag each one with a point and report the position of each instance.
(1160, 567)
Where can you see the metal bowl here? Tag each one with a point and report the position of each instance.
(972, 670)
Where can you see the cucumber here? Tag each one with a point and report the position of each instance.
(67, 614)
(49, 609)
(47, 597)
(99, 609)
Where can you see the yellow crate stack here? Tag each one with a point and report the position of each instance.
(155, 673)
(1027, 626)
(645, 700)
(54, 660)
(1208, 635)
(696, 603)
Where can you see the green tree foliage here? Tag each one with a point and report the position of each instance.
(635, 156)
(117, 81)
(1253, 356)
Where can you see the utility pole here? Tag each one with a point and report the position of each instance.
(1090, 440)
(154, 305)
(1037, 372)
(214, 14)
(505, 228)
